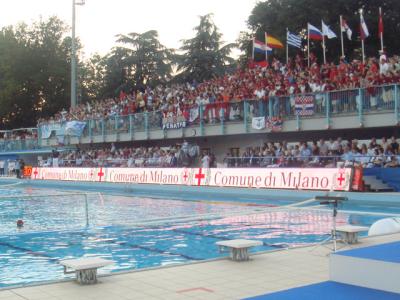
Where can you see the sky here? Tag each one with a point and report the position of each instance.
(98, 21)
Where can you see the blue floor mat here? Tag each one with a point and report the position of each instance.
(389, 252)
(329, 290)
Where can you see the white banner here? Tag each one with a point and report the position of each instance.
(258, 123)
(323, 179)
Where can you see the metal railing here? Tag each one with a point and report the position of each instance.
(19, 139)
(348, 159)
(136, 162)
(326, 105)
(322, 161)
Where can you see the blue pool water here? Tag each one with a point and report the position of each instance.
(144, 232)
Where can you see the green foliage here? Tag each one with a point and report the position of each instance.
(34, 67)
(140, 61)
(274, 16)
(91, 79)
(204, 55)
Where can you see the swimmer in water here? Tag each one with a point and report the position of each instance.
(20, 223)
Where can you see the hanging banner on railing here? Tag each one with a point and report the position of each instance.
(258, 123)
(74, 128)
(323, 179)
(304, 105)
(71, 128)
(193, 114)
(274, 124)
(173, 121)
(47, 129)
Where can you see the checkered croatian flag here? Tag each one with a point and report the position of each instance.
(304, 105)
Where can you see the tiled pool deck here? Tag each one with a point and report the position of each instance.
(220, 279)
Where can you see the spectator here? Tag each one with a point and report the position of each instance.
(205, 160)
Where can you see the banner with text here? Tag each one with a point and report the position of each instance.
(280, 178)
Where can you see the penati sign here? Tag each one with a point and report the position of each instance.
(323, 179)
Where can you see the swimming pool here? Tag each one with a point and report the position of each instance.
(142, 232)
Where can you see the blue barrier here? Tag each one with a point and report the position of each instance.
(389, 176)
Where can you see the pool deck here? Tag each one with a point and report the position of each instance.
(219, 279)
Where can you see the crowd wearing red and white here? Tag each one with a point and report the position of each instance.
(258, 83)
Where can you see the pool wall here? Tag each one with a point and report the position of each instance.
(180, 192)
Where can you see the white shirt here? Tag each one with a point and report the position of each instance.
(205, 162)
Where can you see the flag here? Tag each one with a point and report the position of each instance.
(273, 42)
(314, 33)
(380, 25)
(304, 105)
(74, 128)
(345, 28)
(260, 47)
(364, 33)
(253, 64)
(258, 123)
(326, 31)
(274, 124)
(293, 40)
(193, 114)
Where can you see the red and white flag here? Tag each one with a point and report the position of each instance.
(346, 28)
(380, 25)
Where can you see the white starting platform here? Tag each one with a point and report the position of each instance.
(376, 267)
(239, 249)
(349, 233)
(85, 268)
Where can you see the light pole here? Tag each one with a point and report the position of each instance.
(73, 54)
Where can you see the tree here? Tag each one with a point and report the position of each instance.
(274, 16)
(34, 68)
(92, 73)
(204, 55)
(144, 60)
(115, 75)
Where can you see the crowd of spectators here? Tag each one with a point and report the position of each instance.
(332, 153)
(258, 83)
(18, 139)
(178, 155)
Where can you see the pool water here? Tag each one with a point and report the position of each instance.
(140, 233)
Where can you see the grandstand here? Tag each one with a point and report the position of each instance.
(280, 114)
(157, 163)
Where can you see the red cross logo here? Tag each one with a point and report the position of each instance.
(35, 172)
(185, 175)
(100, 174)
(199, 176)
(341, 179)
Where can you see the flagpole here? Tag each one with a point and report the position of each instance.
(362, 38)
(341, 34)
(266, 47)
(363, 50)
(287, 46)
(252, 52)
(323, 45)
(308, 44)
(381, 33)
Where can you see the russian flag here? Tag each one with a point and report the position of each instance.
(260, 47)
(314, 33)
